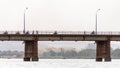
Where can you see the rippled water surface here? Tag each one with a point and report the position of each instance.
(59, 63)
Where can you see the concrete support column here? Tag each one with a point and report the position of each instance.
(31, 51)
(35, 51)
(107, 49)
(103, 50)
(98, 51)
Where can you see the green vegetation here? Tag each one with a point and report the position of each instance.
(64, 54)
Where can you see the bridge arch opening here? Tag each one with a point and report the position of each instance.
(115, 49)
(59, 49)
(11, 49)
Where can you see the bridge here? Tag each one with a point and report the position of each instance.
(31, 39)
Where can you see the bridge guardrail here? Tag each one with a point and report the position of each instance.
(61, 32)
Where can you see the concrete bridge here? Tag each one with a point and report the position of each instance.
(31, 39)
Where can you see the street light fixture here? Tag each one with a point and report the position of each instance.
(96, 21)
(24, 20)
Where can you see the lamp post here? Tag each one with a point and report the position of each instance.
(24, 20)
(96, 21)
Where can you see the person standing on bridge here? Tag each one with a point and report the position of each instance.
(55, 33)
(33, 32)
(93, 32)
(36, 32)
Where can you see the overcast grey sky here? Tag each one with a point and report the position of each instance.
(67, 15)
(60, 15)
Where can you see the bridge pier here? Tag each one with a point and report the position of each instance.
(103, 51)
(31, 51)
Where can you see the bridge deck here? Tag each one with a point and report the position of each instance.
(59, 36)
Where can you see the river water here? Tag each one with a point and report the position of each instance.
(59, 63)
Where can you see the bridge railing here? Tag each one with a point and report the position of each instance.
(61, 32)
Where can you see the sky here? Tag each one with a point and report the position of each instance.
(60, 15)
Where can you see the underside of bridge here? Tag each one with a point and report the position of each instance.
(103, 51)
(31, 51)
